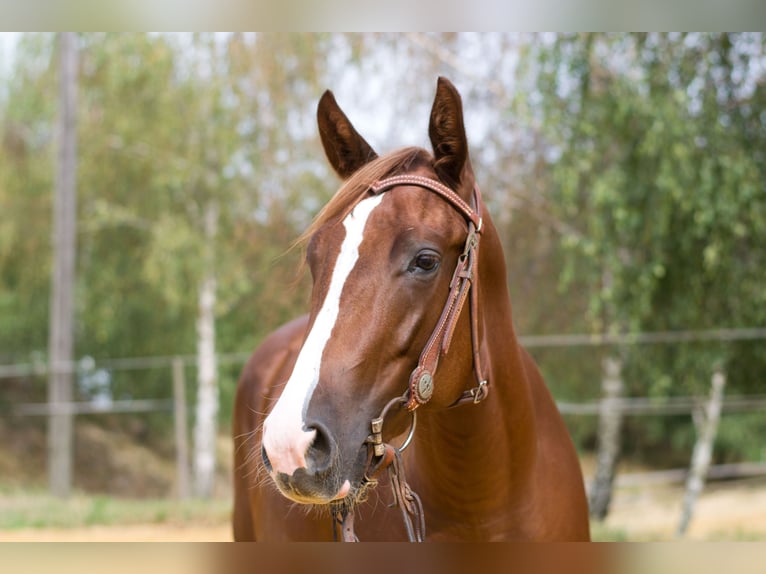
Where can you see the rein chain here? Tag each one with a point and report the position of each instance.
(383, 456)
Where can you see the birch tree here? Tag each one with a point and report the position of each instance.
(64, 240)
(654, 155)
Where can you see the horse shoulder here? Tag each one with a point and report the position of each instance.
(269, 364)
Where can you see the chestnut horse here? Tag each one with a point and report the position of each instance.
(394, 256)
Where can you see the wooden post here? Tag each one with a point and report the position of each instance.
(610, 421)
(707, 426)
(61, 327)
(179, 420)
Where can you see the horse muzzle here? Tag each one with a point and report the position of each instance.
(319, 480)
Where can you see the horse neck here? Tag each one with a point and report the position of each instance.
(482, 455)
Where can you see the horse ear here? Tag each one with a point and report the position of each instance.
(346, 150)
(447, 132)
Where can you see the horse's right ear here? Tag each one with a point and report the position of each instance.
(346, 150)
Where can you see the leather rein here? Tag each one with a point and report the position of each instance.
(383, 456)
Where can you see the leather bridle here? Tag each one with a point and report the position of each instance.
(384, 456)
(462, 285)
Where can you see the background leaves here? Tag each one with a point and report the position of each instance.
(624, 172)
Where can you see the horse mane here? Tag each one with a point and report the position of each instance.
(353, 189)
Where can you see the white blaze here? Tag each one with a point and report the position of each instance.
(284, 437)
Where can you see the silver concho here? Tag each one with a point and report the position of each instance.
(425, 386)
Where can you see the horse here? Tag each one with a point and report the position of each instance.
(407, 364)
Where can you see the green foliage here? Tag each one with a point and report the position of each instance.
(167, 124)
(655, 158)
(600, 532)
(25, 184)
(624, 172)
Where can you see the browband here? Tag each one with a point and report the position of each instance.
(437, 187)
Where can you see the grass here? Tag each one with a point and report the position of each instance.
(600, 532)
(29, 509)
(739, 534)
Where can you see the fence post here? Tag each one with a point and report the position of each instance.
(707, 426)
(610, 421)
(179, 420)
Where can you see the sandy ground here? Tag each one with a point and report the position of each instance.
(725, 511)
(123, 533)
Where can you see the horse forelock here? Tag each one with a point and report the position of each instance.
(354, 188)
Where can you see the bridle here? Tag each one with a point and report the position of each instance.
(421, 383)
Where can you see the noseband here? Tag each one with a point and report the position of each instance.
(421, 384)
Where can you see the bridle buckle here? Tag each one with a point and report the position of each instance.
(479, 393)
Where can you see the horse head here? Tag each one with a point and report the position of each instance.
(383, 255)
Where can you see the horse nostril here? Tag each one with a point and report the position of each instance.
(265, 457)
(321, 453)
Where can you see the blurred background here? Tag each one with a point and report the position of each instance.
(151, 186)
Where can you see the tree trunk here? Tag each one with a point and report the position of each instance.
(61, 327)
(179, 423)
(610, 421)
(205, 430)
(707, 425)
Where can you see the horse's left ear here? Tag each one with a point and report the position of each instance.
(447, 132)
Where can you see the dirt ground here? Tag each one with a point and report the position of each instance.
(725, 511)
(123, 533)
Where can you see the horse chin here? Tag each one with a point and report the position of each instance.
(312, 498)
(356, 495)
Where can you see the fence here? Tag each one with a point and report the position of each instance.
(610, 408)
(175, 404)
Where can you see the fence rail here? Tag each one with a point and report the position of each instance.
(93, 407)
(679, 475)
(531, 341)
(667, 406)
(628, 406)
(21, 370)
(657, 337)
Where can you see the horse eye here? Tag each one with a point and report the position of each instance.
(425, 261)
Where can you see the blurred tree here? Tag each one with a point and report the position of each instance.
(195, 175)
(27, 122)
(64, 235)
(624, 173)
(198, 140)
(654, 150)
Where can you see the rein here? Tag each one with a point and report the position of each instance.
(384, 456)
